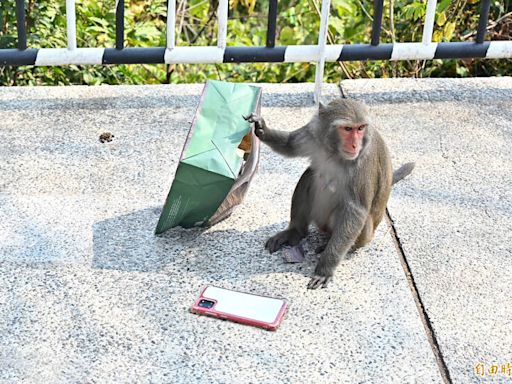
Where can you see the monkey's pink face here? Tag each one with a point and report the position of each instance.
(351, 140)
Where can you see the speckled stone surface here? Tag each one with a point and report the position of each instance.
(454, 214)
(89, 295)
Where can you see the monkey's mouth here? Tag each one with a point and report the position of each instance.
(350, 155)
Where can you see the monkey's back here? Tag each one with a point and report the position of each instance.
(380, 169)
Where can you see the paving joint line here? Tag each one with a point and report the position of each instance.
(427, 325)
(429, 330)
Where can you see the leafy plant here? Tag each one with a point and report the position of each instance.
(298, 23)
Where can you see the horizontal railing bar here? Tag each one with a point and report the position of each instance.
(64, 56)
(465, 50)
(17, 57)
(20, 24)
(287, 54)
(254, 54)
(358, 52)
(272, 22)
(134, 56)
(194, 55)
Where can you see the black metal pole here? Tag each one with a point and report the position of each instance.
(20, 20)
(120, 24)
(377, 21)
(272, 21)
(482, 22)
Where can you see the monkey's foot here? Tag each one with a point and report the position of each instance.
(319, 281)
(288, 236)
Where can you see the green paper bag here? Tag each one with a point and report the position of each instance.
(213, 176)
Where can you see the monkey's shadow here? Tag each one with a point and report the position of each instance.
(128, 243)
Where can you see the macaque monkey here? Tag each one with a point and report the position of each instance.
(344, 191)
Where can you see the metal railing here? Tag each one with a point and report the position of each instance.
(320, 53)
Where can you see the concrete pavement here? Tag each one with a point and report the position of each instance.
(89, 294)
(454, 215)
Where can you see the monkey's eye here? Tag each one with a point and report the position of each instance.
(348, 129)
(361, 128)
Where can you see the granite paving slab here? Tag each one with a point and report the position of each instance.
(454, 214)
(89, 294)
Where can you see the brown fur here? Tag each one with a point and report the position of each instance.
(345, 198)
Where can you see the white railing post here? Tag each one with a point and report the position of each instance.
(71, 23)
(171, 24)
(222, 14)
(322, 38)
(430, 16)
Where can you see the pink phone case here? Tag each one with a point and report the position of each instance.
(246, 308)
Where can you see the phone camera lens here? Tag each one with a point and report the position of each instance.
(206, 303)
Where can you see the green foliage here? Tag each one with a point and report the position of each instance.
(298, 23)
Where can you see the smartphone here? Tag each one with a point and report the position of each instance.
(246, 308)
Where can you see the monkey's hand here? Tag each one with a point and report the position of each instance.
(319, 281)
(323, 274)
(260, 127)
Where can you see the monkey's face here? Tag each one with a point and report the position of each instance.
(347, 121)
(351, 139)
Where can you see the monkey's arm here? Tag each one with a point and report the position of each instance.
(291, 144)
(351, 219)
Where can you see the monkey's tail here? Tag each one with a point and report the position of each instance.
(403, 171)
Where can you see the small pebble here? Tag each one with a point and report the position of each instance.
(106, 137)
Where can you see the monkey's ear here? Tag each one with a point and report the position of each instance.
(321, 107)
